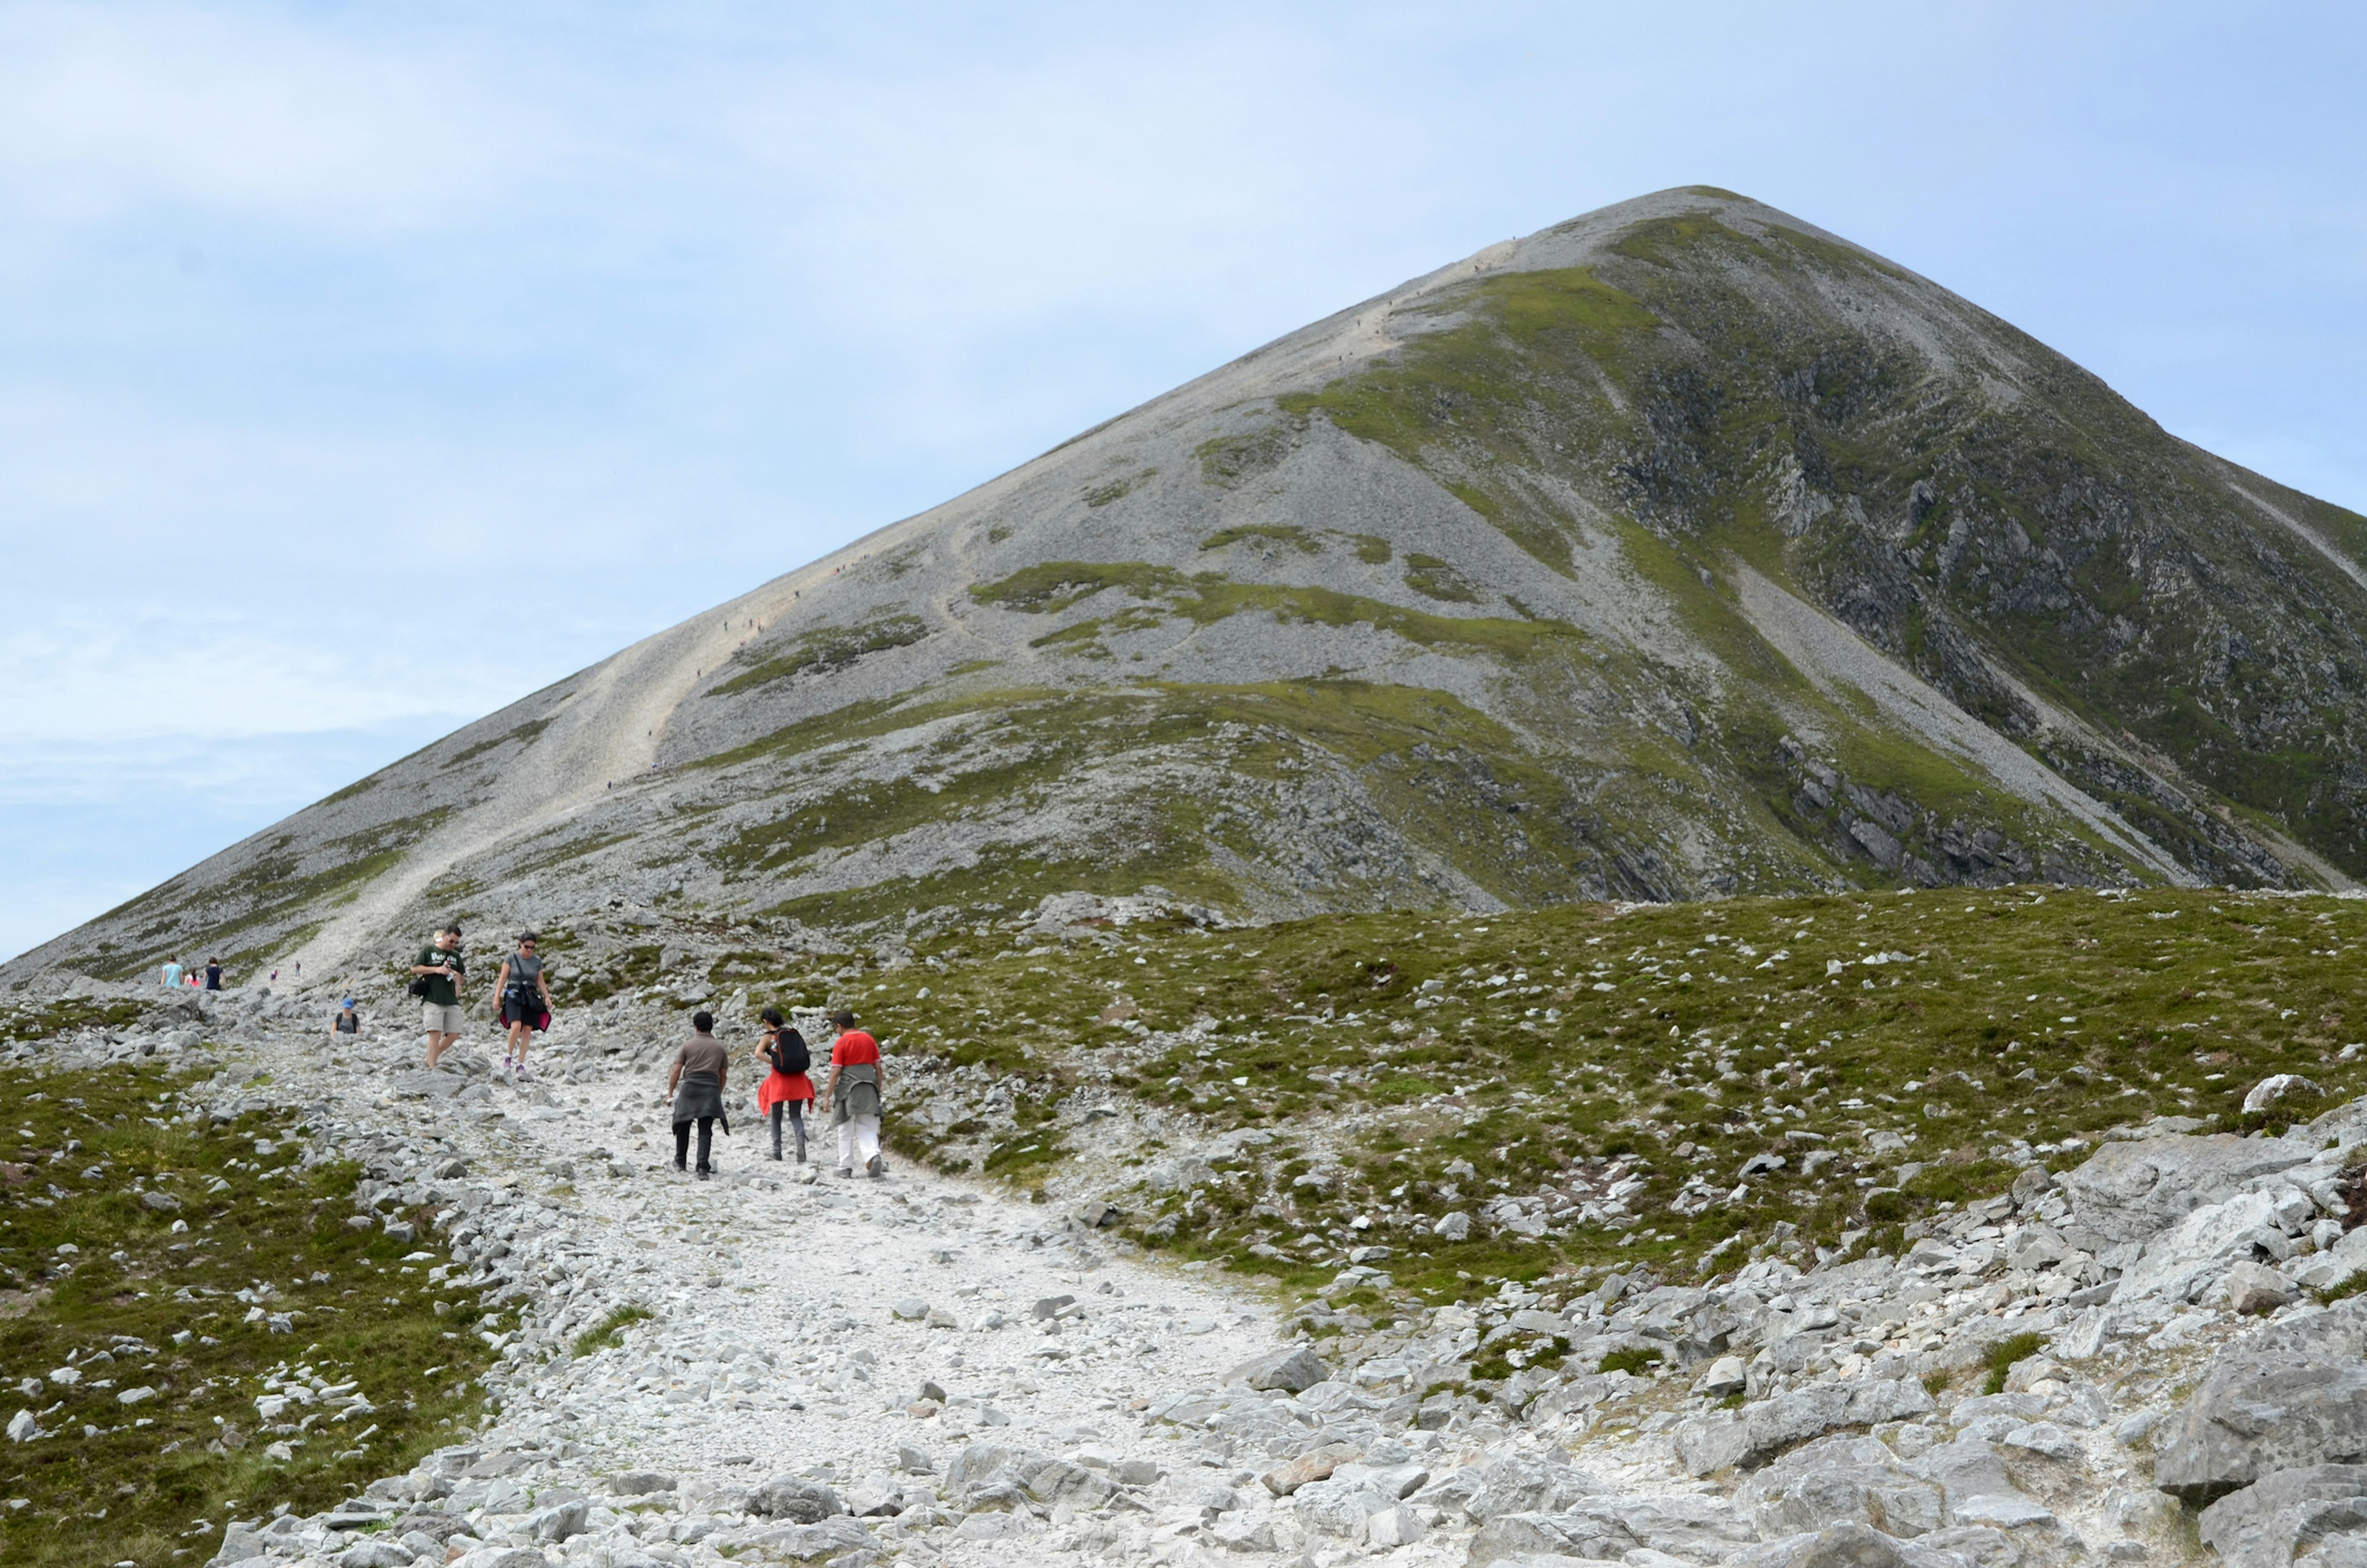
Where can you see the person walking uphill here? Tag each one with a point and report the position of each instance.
(700, 1068)
(436, 976)
(787, 1087)
(525, 993)
(855, 1063)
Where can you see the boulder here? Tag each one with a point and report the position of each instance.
(2255, 1287)
(1843, 1546)
(1528, 1484)
(2292, 1395)
(640, 1482)
(558, 1522)
(2268, 1523)
(795, 1498)
(1697, 1529)
(1840, 1480)
(1756, 1433)
(2333, 1267)
(1339, 1507)
(2133, 1190)
(2186, 1257)
(1316, 1465)
(2277, 1086)
(1293, 1369)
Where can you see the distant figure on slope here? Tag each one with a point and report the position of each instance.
(855, 1108)
(701, 1070)
(787, 1087)
(436, 976)
(345, 1022)
(213, 973)
(525, 994)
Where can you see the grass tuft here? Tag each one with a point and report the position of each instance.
(610, 1330)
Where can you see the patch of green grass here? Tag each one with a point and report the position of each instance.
(1286, 534)
(610, 1330)
(1436, 579)
(1101, 495)
(826, 648)
(1635, 1363)
(2020, 1024)
(521, 736)
(2004, 1354)
(138, 1304)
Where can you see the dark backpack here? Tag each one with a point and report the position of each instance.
(789, 1052)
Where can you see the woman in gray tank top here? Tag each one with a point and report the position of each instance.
(525, 996)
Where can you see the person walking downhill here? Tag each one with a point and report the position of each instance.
(787, 1087)
(854, 1061)
(525, 993)
(345, 1022)
(436, 976)
(701, 1070)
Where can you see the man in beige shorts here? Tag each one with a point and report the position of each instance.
(441, 966)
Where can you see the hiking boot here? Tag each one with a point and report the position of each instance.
(876, 1166)
(704, 1174)
(776, 1154)
(846, 1170)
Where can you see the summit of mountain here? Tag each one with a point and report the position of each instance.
(1678, 550)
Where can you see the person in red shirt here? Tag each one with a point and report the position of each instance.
(857, 1082)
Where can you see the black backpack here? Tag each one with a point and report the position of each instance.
(789, 1052)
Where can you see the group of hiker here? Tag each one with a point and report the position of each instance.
(702, 1067)
(206, 977)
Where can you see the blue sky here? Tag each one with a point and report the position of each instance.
(363, 369)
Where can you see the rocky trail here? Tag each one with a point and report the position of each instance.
(2116, 1362)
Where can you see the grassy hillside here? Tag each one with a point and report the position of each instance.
(242, 1279)
(1901, 1052)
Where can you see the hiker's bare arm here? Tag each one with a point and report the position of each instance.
(674, 1077)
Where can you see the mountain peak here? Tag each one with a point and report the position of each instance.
(1679, 549)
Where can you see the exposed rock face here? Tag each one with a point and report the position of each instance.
(1678, 549)
(2291, 1396)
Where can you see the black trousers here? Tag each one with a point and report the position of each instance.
(682, 1141)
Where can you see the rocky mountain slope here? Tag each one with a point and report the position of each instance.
(1680, 550)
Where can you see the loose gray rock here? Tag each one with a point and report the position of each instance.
(640, 1482)
(2253, 1288)
(2292, 1395)
(2278, 1086)
(2132, 1192)
(1293, 1370)
(1836, 1481)
(796, 1498)
(2266, 1525)
(1750, 1436)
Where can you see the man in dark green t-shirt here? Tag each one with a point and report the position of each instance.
(441, 965)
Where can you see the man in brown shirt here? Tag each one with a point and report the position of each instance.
(700, 1068)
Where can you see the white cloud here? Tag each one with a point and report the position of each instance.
(106, 108)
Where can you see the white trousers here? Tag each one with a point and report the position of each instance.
(858, 1141)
